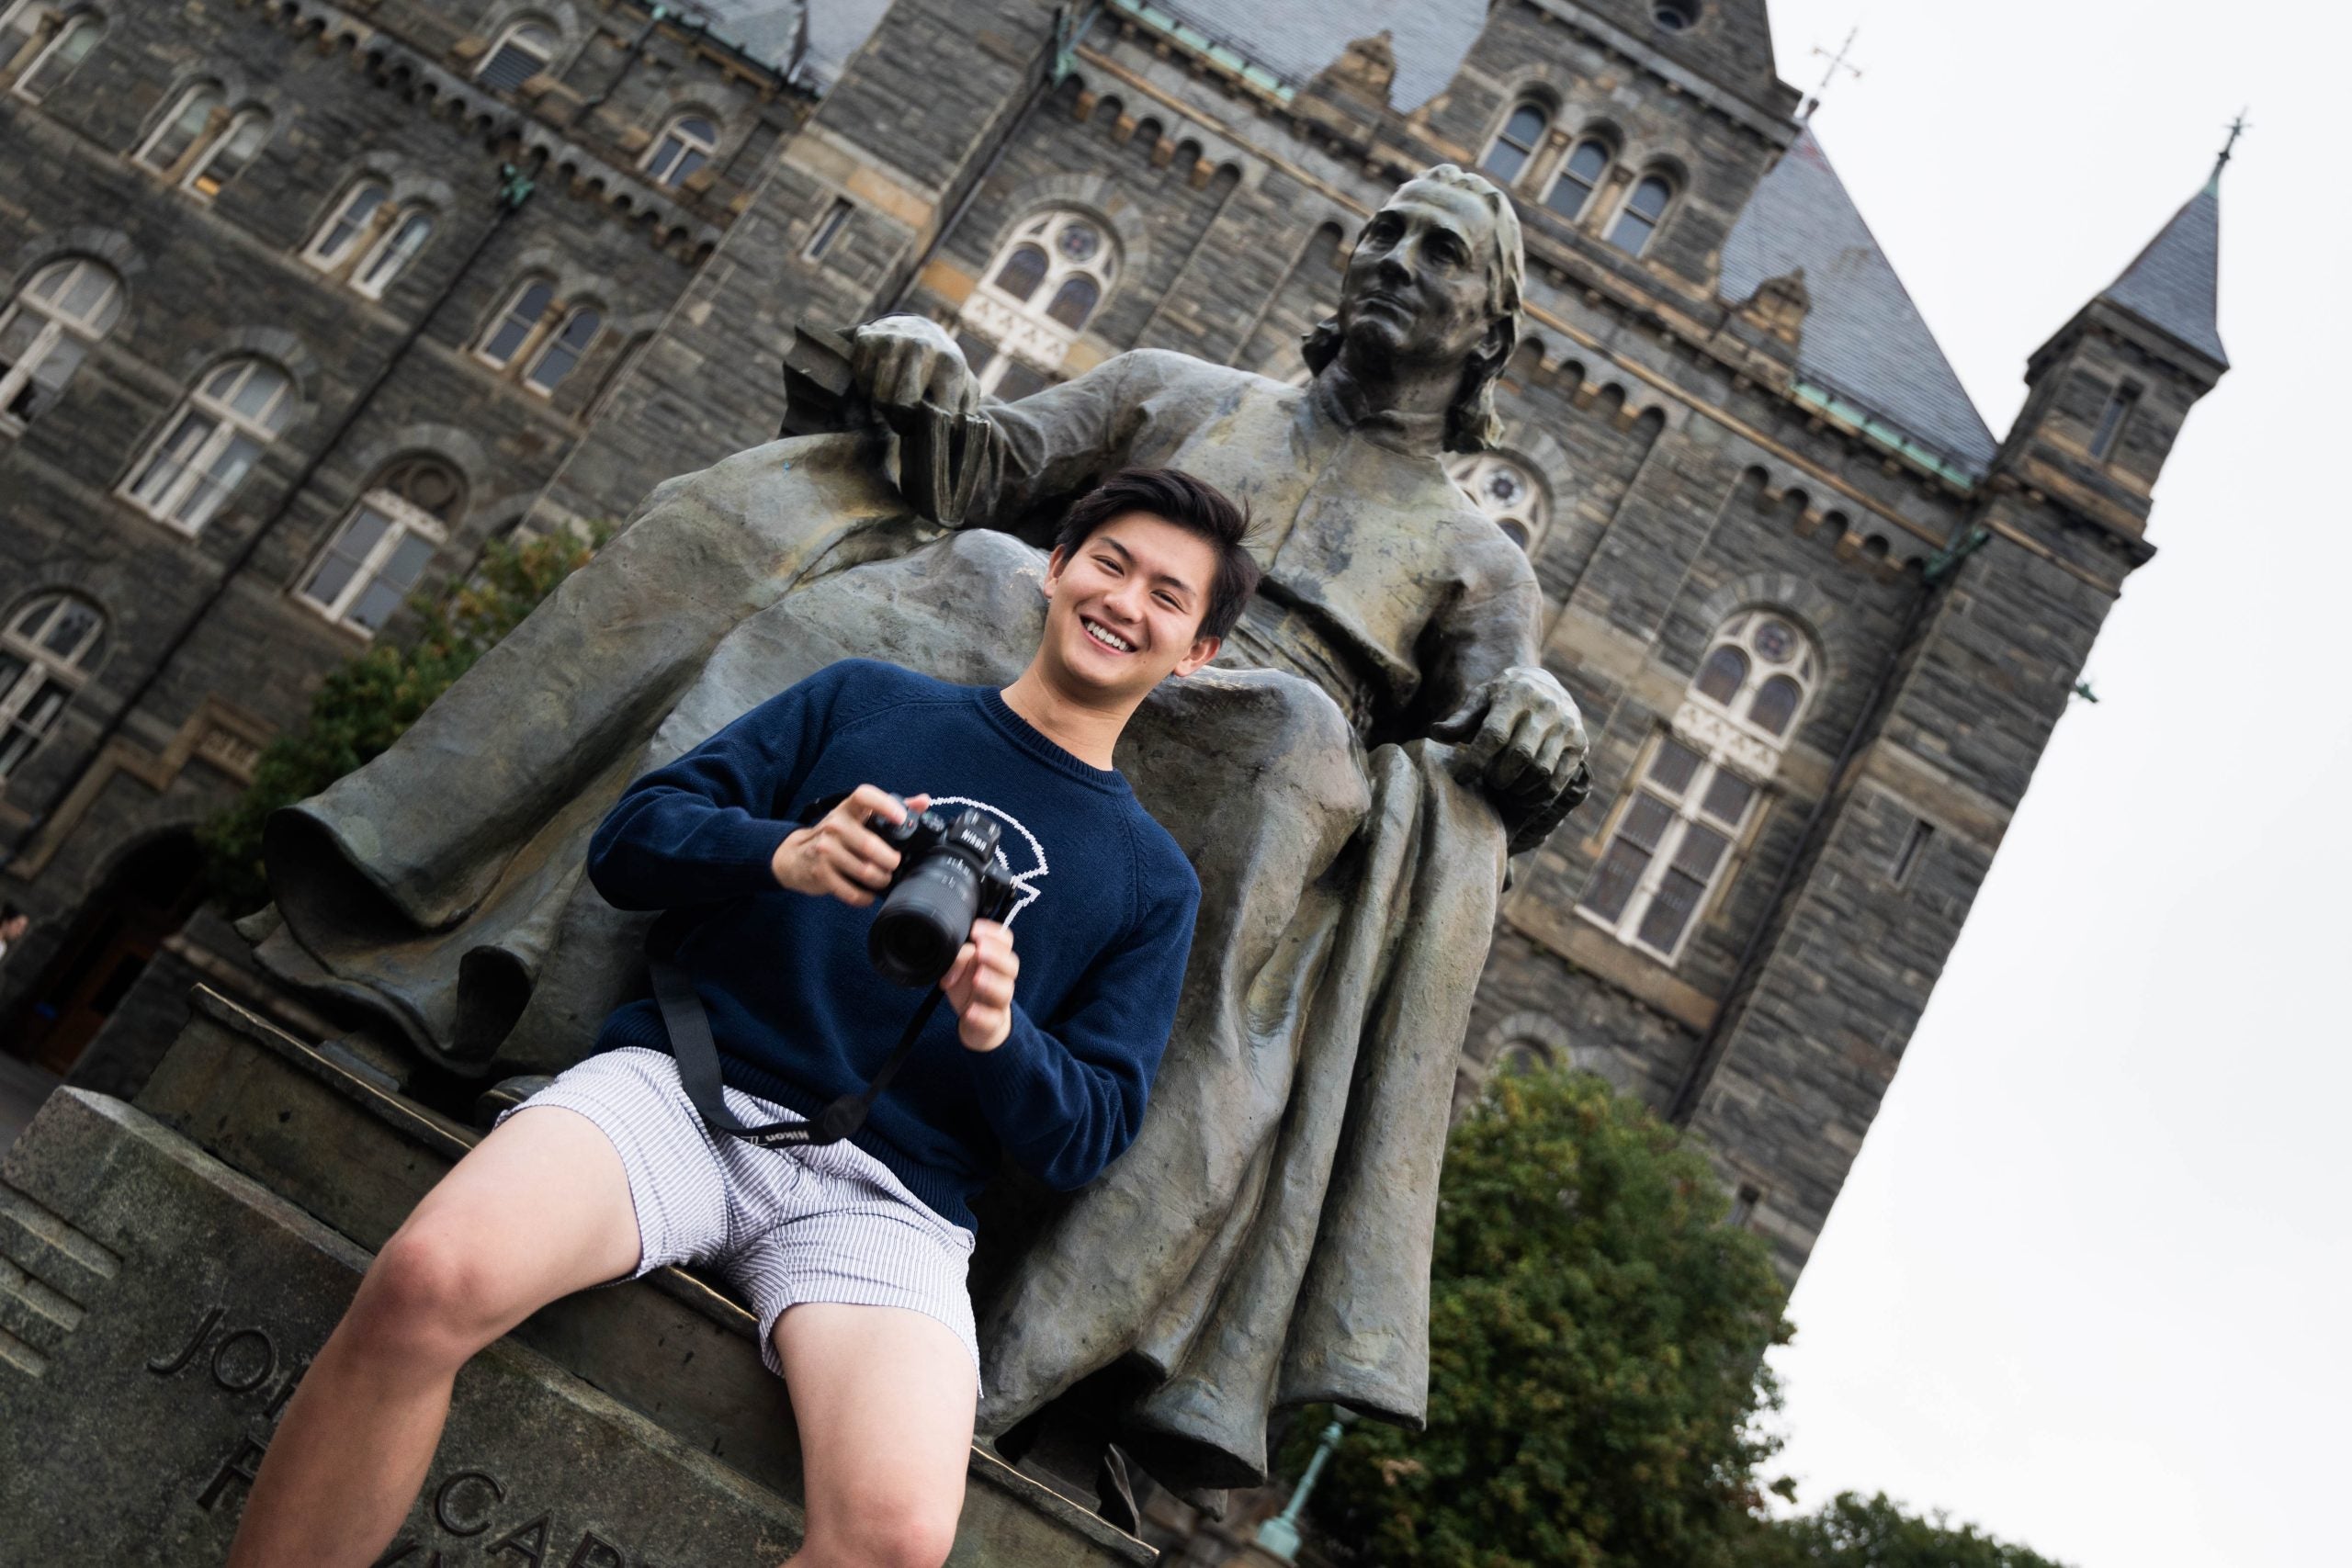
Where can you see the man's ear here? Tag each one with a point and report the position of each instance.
(1054, 564)
(1203, 649)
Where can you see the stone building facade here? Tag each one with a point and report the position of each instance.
(1820, 620)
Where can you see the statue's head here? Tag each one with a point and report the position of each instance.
(1433, 284)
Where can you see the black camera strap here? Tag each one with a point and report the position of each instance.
(697, 1055)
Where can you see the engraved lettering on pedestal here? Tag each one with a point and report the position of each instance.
(527, 1542)
(450, 1497)
(247, 1349)
(240, 1466)
(49, 1273)
(165, 1366)
(596, 1551)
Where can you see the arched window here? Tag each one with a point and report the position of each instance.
(353, 220)
(1515, 143)
(516, 324)
(46, 651)
(380, 554)
(1580, 174)
(403, 237)
(1044, 283)
(565, 349)
(1695, 798)
(523, 50)
(684, 147)
(213, 441)
(47, 329)
(1507, 493)
(60, 56)
(1644, 208)
(177, 132)
(225, 156)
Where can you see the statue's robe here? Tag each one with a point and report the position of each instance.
(1266, 1240)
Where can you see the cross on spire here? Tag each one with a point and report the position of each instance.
(2238, 127)
(1837, 62)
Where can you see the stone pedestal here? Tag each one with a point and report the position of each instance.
(167, 1269)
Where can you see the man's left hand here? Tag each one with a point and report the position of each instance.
(1520, 736)
(979, 986)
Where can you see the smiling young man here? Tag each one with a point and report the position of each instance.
(852, 1254)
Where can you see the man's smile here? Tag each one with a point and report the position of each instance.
(1105, 635)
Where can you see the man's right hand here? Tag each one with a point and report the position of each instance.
(839, 854)
(902, 362)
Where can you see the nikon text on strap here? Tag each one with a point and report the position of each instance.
(697, 1055)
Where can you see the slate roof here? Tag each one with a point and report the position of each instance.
(1863, 339)
(2172, 283)
(767, 30)
(1296, 39)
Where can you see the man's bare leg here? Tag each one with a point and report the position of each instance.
(540, 1208)
(884, 1398)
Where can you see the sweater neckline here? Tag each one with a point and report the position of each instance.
(1035, 741)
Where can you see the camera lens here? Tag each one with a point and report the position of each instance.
(923, 921)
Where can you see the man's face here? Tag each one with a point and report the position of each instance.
(1124, 610)
(14, 927)
(1417, 289)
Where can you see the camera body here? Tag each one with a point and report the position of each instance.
(950, 874)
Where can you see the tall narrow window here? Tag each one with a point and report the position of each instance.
(354, 219)
(564, 351)
(1643, 211)
(827, 230)
(516, 324)
(47, 329)
(1515, 143)
(56, 62)
(190, 118)
(1046, 281)
(405, 237)
(227, 154)
(47, 650)
(1580, 175)
(1506, 491)
(212, 443)
(2112, 419)
(1694, 798)
(380, 554)
(687, 145)
(521, 52)
(1915, 844)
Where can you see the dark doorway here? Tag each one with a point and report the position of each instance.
(150, 894)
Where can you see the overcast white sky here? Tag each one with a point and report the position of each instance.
(2087, 1283)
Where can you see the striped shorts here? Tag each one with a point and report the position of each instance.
(814, 1224)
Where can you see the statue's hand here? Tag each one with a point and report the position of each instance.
(907, 366)
(1520, 737)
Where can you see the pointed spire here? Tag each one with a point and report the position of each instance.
(2173, 285)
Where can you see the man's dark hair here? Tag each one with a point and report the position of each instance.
(1194, 505)
(8, 912)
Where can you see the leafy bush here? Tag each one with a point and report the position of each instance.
(1851, 1531)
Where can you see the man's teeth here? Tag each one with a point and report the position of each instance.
(1108, 637)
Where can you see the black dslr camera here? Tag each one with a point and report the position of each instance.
(949, 876)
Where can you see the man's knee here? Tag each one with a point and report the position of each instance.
(886, 1532)
(430, 1296)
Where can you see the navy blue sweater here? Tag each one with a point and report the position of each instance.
(1103, 927)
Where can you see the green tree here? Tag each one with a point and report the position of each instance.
(1597, 1335)
(364, 704)
(1851, 1531)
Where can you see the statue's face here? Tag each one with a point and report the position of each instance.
(1417, 288)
